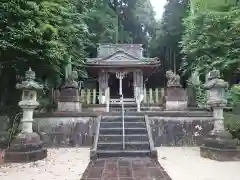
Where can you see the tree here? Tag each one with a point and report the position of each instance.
(165, 43)
(42, 34)
(211, 40)
(121, 21)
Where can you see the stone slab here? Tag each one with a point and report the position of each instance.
(69, 106)
(220, 154)
(176, 105)
(185, 113)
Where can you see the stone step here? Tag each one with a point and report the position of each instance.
(126, 119)
(119, 131)
(120, 153)
(138, 145)
(120, 124)
(128, 137)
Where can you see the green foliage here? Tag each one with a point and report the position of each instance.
(211, 40)
(45, 34)
(165, 43)
(235, 95)
(122, 21)
(201, 95)
(232, 124)
(42, 34)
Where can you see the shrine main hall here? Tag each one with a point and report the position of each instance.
(120, 69)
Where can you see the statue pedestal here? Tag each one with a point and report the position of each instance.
(176, 98)
(69, 99)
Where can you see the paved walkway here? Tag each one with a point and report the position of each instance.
(125, 169)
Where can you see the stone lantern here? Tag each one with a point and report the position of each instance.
(27, 145)
(219, 145)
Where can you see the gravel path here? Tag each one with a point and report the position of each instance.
(70, 164)
(61, 164)
(185, 163)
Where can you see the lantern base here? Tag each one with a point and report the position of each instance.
(220, 154)
(26, 147)
(220, 147)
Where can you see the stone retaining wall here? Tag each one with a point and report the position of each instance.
(166, 130)
(180, 131)
(66, 131)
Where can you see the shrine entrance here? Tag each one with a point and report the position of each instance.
(127, 86)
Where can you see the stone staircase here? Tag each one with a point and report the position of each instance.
(110, 143)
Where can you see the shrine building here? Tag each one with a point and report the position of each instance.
(120, 69)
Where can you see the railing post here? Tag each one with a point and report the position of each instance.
(107, 99)
(123, 125)
(120, 76)
(156, 96)
(83, 96)
(94, 96)
(88, 96)
(145, 95)
(150, 96)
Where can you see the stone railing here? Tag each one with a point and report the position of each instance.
(151, 96)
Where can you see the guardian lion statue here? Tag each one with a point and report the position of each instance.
(172, 79)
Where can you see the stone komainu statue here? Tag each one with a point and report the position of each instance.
(172, 79)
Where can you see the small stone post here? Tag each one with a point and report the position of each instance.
(27, 146)
(219, 145)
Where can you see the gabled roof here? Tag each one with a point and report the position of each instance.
(120, 57)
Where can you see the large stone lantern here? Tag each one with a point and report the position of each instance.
(219, 145)
(27, 145)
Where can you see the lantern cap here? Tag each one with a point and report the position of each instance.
(214, 81)
(29, 83)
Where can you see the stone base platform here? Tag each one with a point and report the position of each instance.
(219, 154)
(30, 156)
(26, 147)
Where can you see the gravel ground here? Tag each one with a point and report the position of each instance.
(70, 163)
(61, 164)
(185, 163)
